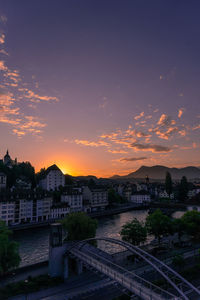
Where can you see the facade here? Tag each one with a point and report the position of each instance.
(27, 208)
(164, 194)
(54, 178)
(94, 198)
(193, 193)
(74, 199)
(140, 197)
(3, 180)
(7, 212)
(59, 211)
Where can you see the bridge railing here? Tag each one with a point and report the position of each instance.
(178, 283)
(139, 286)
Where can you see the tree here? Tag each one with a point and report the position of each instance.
(191, 221)
(178, 261)
(179, 227)
(134, 232)
(79, 226)
(158, 224)
(9, 255)
(168, 183)
(183, 189)
(68, 180)
(113, 197)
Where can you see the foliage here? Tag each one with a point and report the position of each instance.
(190, 274)
(113, 197)
(134, 232)
(178, 261)
(28, 286)
(79, 226)
(40, 175)
(179, 226)
(123, 297)
(22, 170)
(191, 221)
(168, 184)
(9, 256)
(69, 180)
(158, 224)
(183, 189)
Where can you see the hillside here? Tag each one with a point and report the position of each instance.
(159, 172)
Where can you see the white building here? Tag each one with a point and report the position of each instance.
(7, 212)
(95, 199)
(25, 208)
(140, 197)
(54, 178)
(74, 199)
(193, 193)
(59, 211)
(164, 194)
(43, 209)
(3, 179)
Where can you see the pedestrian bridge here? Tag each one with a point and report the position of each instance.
(137, 285)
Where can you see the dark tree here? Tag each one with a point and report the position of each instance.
(159, 224)
(183, 189)
(9, 255)
(40, 175)
(191, 221)
(79, 226)
(68, 180)
(134, 232)
(168, 183)
(113, 197)
(179, 226)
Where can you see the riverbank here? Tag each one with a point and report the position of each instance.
(99, 214)
(172, 205)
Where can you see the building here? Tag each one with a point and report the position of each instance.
(94, 198)
(53, 179)
(59, 210)
(140, 197)
(3, 179)
(7, 212)
(22, 207)
(164, 195)
(7, 160)
(192, 193)
(74, 199)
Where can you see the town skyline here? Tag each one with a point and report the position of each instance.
(100, 88)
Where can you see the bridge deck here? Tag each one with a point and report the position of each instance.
(132, 282)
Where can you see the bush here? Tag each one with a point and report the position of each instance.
(31, 285)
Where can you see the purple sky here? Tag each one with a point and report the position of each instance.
(100, 87)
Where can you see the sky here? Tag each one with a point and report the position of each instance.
(100, 87)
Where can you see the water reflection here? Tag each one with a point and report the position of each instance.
(34, 243)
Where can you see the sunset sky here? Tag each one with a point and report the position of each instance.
(100, 86)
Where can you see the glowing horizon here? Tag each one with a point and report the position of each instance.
(102, 90)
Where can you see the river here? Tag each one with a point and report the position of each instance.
(34, 243)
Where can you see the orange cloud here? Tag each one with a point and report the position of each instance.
(139, 116)
(2, 38)
(180, 112)
(196, 127)
(37, 98)
(2, 66)
(91, 144)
